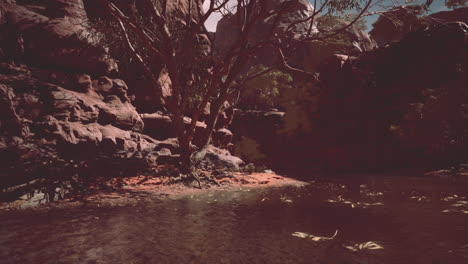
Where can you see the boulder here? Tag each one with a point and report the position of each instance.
(227, 28)
(74, 133)
(107, 86)
(172, 144)
(222, 159)
(308, 54)
(222, 138)
(393, 26)
(456, 15)
(75, 106)
(169, 159)
(83, 83)
(62, 110)
(135, 8)
(150, 96)
(373, 92)
(69, 8)
(384, 109)
(10, 122)
(122, 115)
(64, 133)
(258, 138)
(78, 116)
(164, 152)
(57, 39)
(160, 126)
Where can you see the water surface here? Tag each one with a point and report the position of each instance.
(397, 220)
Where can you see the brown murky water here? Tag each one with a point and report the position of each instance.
(398, 220)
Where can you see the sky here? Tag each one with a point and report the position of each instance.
(436, 6)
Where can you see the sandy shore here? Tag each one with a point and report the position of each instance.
(134, 190)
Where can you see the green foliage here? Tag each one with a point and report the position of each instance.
(341, 43)
(394, 25)
(278, 90)
(191, 52)
(249, 149)
(299, 104)
(361, 25)
(455, 3)
(340, 6)
(329, 21)
(266, 90)
(109, 34)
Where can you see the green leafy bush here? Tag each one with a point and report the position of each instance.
(267, 90)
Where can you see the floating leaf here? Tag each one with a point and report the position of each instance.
(369, 245)
(313, 237)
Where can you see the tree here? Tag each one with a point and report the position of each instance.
(217, 77)
(393, 25)
(265, 91)
(330, 21)
(455, 3)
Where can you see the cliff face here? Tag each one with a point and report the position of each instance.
(393, 26)
(134, 8)
(459, 14)
(62, 114)
(307, 55)
(394, 101)
(52, 35)
(394, 107)
(149, 97)
(57, 34)
(55, 118)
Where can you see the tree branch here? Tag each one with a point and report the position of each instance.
(135, 54)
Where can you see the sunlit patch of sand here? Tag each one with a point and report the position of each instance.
(124, 191)
(256, 179)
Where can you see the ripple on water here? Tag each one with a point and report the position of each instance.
(277, 225)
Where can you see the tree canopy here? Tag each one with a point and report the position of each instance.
(181, 46)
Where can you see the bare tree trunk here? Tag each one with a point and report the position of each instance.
(216, 109)
(178, 120)
(173, 48)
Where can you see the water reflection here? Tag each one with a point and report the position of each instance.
(278, 225)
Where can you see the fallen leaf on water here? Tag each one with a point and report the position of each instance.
(369, 245)
(300, 234)
(455, 211)
(313, 237)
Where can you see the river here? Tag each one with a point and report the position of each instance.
(396, 220)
